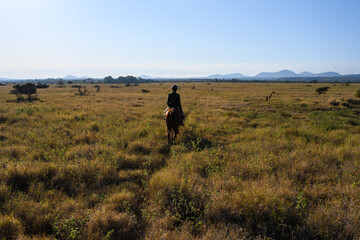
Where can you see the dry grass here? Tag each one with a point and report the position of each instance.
(97, 166)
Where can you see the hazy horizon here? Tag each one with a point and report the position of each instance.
(51, 39)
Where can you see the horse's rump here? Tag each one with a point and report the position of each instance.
(173, 119)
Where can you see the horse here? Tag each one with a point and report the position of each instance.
(173, 121)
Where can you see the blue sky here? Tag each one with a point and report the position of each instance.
(97, 38)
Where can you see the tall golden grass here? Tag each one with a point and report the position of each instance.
(98, 167)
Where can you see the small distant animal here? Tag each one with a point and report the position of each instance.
(268, 97)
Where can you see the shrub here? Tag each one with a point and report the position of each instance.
(357, 94)
(322, 90)
(80, 92)
(353, 101)
(68, 228)
(97, 88)
(39, 85)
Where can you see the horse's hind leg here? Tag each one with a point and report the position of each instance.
(168, 142)
(175, 136)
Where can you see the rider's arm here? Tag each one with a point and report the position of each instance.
(179, 103)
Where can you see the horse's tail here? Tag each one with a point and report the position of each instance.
(168, 119)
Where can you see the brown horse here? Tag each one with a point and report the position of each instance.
(173, 121)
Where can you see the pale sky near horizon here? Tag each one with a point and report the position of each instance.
(177, 38)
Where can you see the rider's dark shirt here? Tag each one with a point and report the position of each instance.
(174, 100)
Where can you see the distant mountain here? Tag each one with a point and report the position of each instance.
(70, 77)
(84, 77)
(5, 79)
(146, 77)
(228, 76)
(306, 74)
(280, 74)
(289, 74)
(328, 74)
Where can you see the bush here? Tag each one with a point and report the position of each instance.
(80, 92)
(69, 228)
(322, 90)
(39, 85)
(97, 88)
(357, 94)
(353, 101)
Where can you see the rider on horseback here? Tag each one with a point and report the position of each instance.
(174, 102)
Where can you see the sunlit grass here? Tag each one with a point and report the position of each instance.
(98, 167)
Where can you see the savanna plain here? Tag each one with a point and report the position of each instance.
(98, 166)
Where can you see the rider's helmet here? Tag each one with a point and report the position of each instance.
(174, 87)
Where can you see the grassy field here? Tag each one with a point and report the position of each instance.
(98, 167)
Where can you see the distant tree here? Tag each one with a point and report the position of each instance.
(322, 90)
(40, 85)
(27, 89)
(109, 79)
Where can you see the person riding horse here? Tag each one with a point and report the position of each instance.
(174, 102)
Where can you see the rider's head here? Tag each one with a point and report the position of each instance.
(174, 88)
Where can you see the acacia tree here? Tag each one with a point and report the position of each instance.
(27, 89)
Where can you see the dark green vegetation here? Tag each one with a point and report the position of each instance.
(322, 90)
(357, 94)
(28, 89)
(97, 167)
